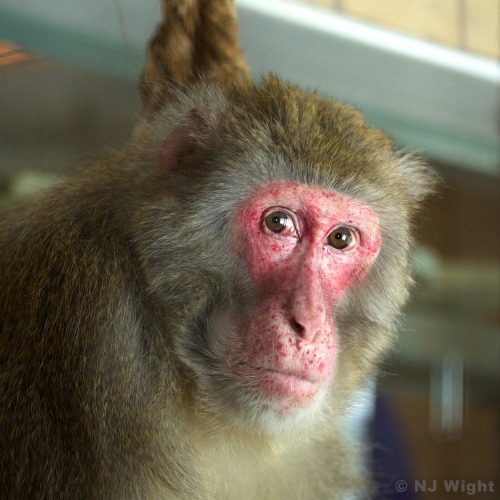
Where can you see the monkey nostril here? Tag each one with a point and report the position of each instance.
(298, 327)
(306, 333)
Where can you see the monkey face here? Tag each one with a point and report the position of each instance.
(303, 247)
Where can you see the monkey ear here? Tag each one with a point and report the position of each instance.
(187, 138)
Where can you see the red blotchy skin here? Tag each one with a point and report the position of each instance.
(290, 343)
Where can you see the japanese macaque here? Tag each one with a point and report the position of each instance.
(191, 318)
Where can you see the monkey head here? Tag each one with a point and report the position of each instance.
(289, 266)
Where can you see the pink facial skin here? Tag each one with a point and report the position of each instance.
(289, 345)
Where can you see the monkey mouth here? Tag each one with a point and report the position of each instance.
(286, 373)
(283, 384)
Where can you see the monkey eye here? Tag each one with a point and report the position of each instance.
(277, 221)
(341, 238)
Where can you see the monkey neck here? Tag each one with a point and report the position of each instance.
(231, 460)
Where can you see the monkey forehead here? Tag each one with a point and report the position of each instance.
(310, 138)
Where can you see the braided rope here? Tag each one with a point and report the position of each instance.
(197, 38)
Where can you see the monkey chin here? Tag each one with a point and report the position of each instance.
(290, 404)
(276, 402)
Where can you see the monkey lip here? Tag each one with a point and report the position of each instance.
(288, 384)
(288, 373)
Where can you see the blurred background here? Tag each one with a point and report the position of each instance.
(425, 71)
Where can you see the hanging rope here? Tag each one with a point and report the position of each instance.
(197, 39)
